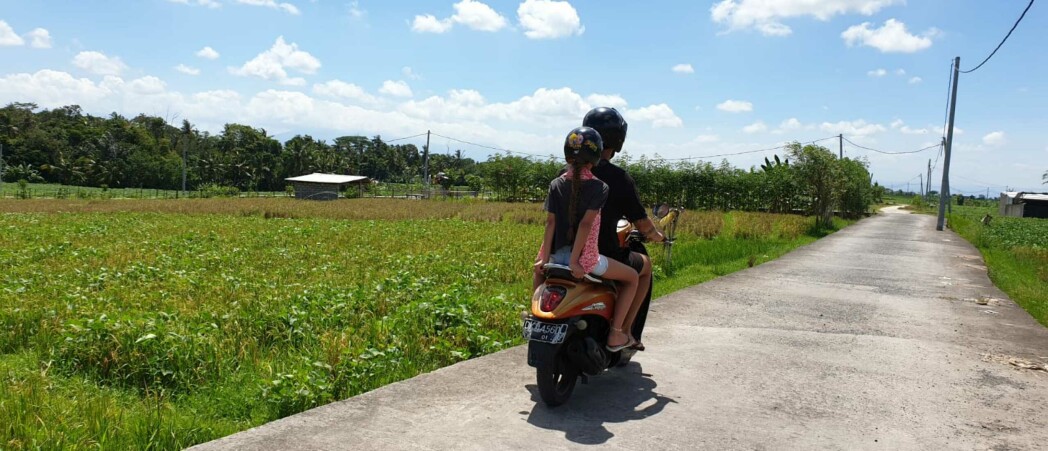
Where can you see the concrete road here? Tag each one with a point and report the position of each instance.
(872, 338)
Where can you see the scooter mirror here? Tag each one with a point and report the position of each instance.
(661, 211)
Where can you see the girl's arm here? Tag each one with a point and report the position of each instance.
(547, 243)
(581, 235)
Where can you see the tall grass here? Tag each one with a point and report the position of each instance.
(144, 324)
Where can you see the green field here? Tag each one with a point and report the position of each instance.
(1016, 254)
(158, 324)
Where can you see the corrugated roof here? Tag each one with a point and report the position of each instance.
(1019, 195)
(317, 177)
(1033, 196)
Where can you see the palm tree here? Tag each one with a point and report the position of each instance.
(1045, 178)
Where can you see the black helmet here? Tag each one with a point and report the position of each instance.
(610, 124)
(583, 145)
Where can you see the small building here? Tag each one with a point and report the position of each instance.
(317, 186)
(1024, 205)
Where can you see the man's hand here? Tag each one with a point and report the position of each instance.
(656, 237)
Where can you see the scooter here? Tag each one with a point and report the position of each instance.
(568, 326)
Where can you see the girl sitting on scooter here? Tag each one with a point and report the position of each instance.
(572, 226)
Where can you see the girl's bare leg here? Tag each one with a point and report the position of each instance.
(627, 279)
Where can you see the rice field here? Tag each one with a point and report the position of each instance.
(158, 324)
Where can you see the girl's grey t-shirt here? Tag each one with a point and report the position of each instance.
(592, 195)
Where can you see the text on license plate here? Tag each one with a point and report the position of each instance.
(544, 332)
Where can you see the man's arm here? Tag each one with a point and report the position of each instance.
(647, 227)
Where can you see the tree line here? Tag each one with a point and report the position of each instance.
(66, 146)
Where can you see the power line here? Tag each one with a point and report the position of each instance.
(406, 137)
(892, 153)
(1002, 40)
(976, 181)
(490, 147)
(743, 152)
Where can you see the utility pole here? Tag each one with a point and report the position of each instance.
(425, 166)
(923, 192)
(944, 193)
(184, 145)
(840, 143)
(928, 189)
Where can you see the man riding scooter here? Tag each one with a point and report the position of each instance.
(623, 201)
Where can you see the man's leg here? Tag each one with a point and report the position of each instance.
(641, 315)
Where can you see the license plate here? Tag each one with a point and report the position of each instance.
(544, 332)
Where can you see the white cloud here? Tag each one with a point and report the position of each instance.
(39, 38)
(349, 91)
(287, 7)
(877, 73)
(274, 63)
(994, 139)
(466, 97)
(684, 69)
(478, 16)
(430, 24)
(147, 85)
(890, 38)
(901, 126)
(735, 106)
(756, 127)
(207, 3)
(548, 19)
(50, 88)
(473, 14)
(915, 80)
(607, 100)
(660, 116)
(208, 53)
(99, 63)
(8, 37)
(187, 70)
(853, 128)
(791, 124)
(701, 139)
(396, 89)
(766, 16)
(355, 12)
(410, 73)
(900, 72)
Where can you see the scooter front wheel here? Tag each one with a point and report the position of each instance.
(556, 387)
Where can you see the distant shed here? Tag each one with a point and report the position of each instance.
(1024, 205)
(317, 186)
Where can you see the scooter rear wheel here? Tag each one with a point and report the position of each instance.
(556, 387)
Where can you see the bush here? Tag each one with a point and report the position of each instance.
(209, 190)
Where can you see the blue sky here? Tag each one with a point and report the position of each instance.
(692, 78)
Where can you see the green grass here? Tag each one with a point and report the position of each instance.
(183, 321)
(1016, 254)
(9, 190)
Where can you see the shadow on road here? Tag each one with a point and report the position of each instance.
(617, 396)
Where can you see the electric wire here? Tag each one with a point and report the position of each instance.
(500, 149)
(1002, 40)
(892, 153)
(406, 137)
(769, 149)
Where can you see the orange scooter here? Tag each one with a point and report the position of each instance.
(567, 328)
